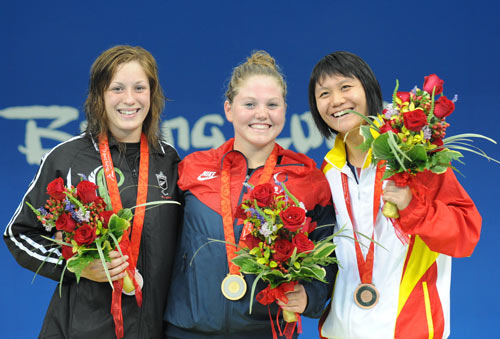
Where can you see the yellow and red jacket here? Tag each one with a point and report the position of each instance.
(413, 278)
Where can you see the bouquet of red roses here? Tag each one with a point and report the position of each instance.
(277, 247)
(409, 135)
(89, 230)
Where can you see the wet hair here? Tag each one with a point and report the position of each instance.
(259, 63)
(348, 65)
(101, 73)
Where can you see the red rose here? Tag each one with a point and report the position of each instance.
(443, 107)
(84, 235)
(263, 194)
(302, 242)
(105, 215)
(56, 189)
(250, 241)
(283, 250)
(415, 120)
(387, 127)
(309, 226)
(65, 223)
(86, 191)
(67, 252)
(293, 218)
(439, 143)
(432, 81)
(240, 213)
(404, 96)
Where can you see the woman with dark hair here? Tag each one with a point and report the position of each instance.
(350, 66)
(123, 111)
(385, 288)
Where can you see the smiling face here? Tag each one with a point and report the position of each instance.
(127, 102)
(257, 113)
(335, 94)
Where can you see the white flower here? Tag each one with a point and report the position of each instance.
(83, 217)
(49, 225)
(266, 229)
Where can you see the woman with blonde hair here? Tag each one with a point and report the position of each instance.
(198, 308)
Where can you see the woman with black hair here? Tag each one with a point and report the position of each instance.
(385, 287)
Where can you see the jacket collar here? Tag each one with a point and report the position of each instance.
(114, 143)
(337, 156)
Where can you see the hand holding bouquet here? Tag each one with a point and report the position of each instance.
(277, 247)
(89, 231)
(409, 135)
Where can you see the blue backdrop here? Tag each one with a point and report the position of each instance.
(48, 47)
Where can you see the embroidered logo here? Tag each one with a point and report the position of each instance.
(163, 183)
(207, 175)
(280, 177)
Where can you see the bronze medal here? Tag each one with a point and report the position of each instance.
(366, 296)
(233, 286)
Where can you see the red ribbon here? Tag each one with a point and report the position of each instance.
(404, 179)
(130, 248)
(269, 295)
(226, 209)
(365, 265)
(401, 179)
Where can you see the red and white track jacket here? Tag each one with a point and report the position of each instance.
(413, 279)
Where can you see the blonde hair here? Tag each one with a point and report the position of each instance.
(259, 63)
(102, 72)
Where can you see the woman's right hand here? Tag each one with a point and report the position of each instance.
(117, 268)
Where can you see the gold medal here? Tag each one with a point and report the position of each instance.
(366, 296)
(233, 286)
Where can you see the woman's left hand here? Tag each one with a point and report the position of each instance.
(297, 300)
(401, 196)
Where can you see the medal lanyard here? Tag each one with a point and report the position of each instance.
(226, 209)
(365, 266)
(114, 193)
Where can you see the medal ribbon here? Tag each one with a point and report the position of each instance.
(128, 247)
(365, 266)
(226, 209)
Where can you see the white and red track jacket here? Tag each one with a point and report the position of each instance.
(413, 279)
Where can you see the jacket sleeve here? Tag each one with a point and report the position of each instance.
(318, 292)
(24, 233)
(442, 214)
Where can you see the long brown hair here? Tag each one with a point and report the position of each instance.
(101, 73)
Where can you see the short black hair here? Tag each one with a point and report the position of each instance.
(349, 65)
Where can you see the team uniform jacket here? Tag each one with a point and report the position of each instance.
(197, 308)
(413, 279)
(83, 311)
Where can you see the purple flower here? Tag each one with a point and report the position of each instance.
(69, 206)
(83, 176)
(43, 211)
